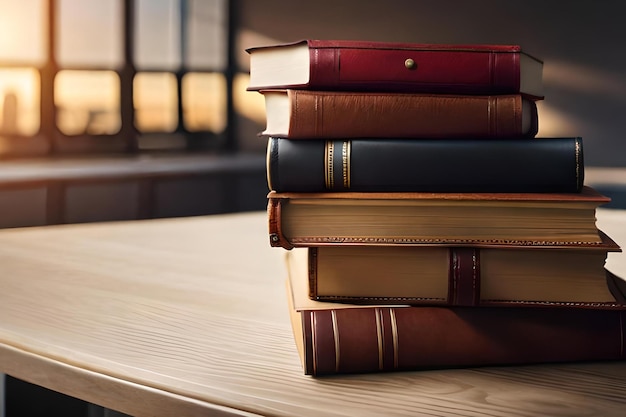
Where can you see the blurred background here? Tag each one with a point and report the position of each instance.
(137, 109)
(123, 109)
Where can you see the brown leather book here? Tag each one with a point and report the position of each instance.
(452, 219)
(334, 338)
(462, 276)
(308, 114)
(391, 66)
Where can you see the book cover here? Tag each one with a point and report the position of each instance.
(426, 165)
(388, 66)
(459, 219)
(463, 276)
(307, 114)
(334, 338)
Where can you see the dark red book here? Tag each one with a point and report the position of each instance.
(385, 66)
(337, 338)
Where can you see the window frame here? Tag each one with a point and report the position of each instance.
(128, 139)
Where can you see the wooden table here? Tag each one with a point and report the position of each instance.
(188, 317)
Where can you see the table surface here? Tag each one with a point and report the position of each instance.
(189, 317)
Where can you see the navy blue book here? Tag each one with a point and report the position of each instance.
(537, 165)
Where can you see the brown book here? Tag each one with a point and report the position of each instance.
(452, 219)
(306, 114)
(334, 338)
(462, 276)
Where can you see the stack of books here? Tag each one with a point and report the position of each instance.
(426, 224)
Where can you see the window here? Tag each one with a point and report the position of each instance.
(19, 107)
(115, 76)
(155, 102)
(87, 102)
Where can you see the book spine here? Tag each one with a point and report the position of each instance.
(381, 339)
(276, 236)
(464, 282)
(327, 114)
(422, 165)
(373, 68)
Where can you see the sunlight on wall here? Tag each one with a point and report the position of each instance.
(247, 39)
(555, 123)
(250, 104)
(584, 79)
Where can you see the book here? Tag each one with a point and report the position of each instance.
(387, 66)
(425, 165)
(308, 114)
(334, 338)
(532, 219)
(462, 276)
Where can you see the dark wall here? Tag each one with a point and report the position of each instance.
(581, 43)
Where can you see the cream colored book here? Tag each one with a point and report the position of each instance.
(477, 219)
(463, 276)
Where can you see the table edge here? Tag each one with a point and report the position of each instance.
(96, 388)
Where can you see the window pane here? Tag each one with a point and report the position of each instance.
(88, 102)
(22, 31)
(19, 104)
(204, 102)
(90, 32)
(206, 34)
(157, 34)
(155, 100)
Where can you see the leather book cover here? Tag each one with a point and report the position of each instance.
(306, 114)
(464, 276)
(334, 338)
(426, 219)
(365, 65)
(426, 165)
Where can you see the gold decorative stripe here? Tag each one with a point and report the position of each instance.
(328, 165)
(267, 164)
(346, 153)
(394, 335)
(314, 343)
(333, 315)
(475, 276)
(578, 163)
(379, 335)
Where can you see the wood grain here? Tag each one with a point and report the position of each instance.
(189, 317)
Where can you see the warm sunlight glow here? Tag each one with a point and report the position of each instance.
(555, 123)
(155, 102)
(204, 102)
(22, 28)
(88, 102)
(247, 39)
(250, 104)
(19, 101)
(584, 79)
(89, 32)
